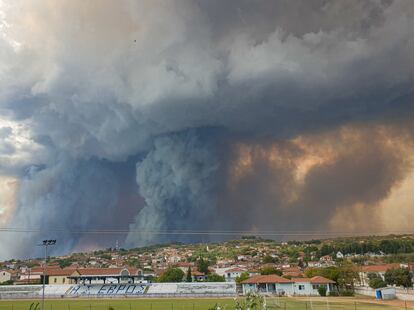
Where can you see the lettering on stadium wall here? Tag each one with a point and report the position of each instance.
(107, 289)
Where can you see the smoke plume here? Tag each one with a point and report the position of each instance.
(235, 115)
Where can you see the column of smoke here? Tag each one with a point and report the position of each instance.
(137, 114)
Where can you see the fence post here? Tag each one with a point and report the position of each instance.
(193, 306)
(405, 303)
(306, 305)
(355, 305)
(284, 306)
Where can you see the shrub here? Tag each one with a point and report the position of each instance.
(377, 283)
(322, 290)
(346, 293)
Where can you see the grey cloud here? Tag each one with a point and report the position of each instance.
(115, 81)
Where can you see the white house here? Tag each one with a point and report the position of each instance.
(379, 270)
(276, 285)
(231, 274)
(339, 255)
(268, 284)
(4, 276)
(310, 286)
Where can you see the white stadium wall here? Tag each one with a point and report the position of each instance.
(120, 290)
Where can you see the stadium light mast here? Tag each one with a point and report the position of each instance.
(45, 244)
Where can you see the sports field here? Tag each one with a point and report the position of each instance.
(204, 304)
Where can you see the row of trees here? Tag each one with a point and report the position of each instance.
(177, 275)
(387, 246)
(398, 277)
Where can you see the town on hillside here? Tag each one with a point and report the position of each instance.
(340, 266)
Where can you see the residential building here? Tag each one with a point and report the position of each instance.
(60, 276)
(5, 276)
(379, 270)
(310, 286)
(231, 274)
(276, 285)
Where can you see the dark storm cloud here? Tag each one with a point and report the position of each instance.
(145, 79)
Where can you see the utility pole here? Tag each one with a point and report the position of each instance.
(45, 244)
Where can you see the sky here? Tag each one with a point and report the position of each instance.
(148, 117)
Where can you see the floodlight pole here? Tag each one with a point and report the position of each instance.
(45, 244)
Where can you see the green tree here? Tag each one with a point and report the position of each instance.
(202, 266)
(399, 277)
(377, 283)
(270, 270)
(212, 277)
(347, 276)
(322, 290)
(172, 275)
(189, 278)
(243, 276)
(64, 263)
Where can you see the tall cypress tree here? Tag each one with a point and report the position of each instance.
(189, 278)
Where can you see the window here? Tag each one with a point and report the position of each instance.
(315, 286)
(55, 280)
(63, 281)
(301, 287)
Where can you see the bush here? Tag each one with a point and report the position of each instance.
(172, 275)
(270, 270)
(322, 290)
(243, 276)
(333, 293)
(215, 278)
(8, 282)
(346, 293)
(377, 283)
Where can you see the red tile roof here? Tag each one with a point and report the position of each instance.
(271, 278)
(60, 272)
(236, 269)
(314, 280)
(104, 271)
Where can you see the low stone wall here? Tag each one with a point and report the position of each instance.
(403, 294)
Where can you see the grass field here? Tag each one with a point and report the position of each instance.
(198, 304)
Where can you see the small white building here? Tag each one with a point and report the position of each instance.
(339, 255)
(378, 270)
(276, 285)
(268, 284)
(231, 274)
(5, 276)
(310, 286)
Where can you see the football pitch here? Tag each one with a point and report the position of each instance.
(197, 304)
